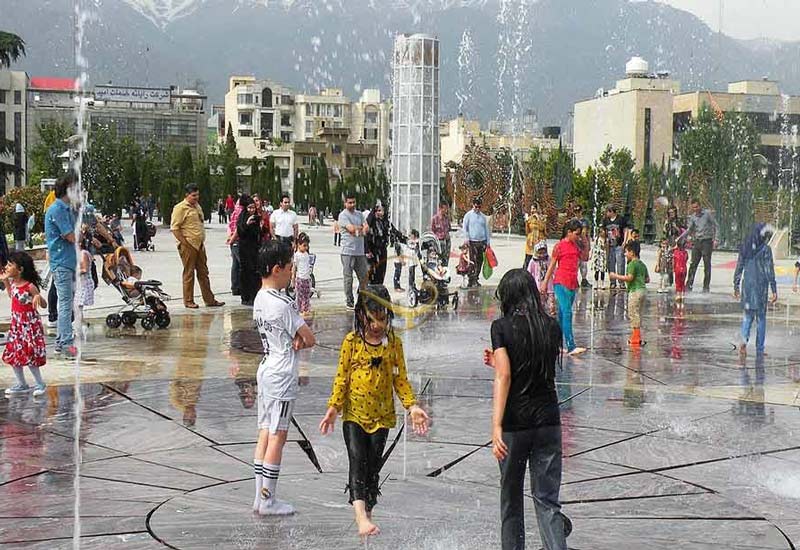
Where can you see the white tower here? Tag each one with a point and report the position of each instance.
(415, 129)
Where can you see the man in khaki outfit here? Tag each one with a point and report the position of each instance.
(187, 226)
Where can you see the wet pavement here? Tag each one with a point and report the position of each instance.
(679, 445)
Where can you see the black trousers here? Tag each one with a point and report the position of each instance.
(527, 260)
(476, 252)
(364, 451)
(377, 268)
(52, 302)
(701, 249)
(539, 451)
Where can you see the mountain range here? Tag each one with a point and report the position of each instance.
(498, 57)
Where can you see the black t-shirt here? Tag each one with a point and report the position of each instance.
(615, 229)
(532, 399)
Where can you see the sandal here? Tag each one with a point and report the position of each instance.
(191, 306)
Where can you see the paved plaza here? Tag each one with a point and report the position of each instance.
(679, 445)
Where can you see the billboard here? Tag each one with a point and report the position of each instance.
(132, 94)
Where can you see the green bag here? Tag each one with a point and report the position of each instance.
(487, 269)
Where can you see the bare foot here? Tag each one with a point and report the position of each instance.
(367, 529)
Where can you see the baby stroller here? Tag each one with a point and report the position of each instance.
(435, 277)
(144, 300)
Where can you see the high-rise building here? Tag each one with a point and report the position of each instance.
(13, 104)
(268, 119)
(415, 128)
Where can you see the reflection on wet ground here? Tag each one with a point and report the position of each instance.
(682, 444)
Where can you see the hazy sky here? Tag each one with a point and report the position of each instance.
(777, 19)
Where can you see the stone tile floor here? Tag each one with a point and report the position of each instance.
(681, 445)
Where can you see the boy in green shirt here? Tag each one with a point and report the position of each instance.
(636, 277)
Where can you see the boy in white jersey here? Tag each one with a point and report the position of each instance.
(283, 332)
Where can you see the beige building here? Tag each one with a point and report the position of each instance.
(459, 132)
(13, 124)
(269, 119)
(760, 101)
(636, 114)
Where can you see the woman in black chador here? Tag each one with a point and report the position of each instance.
(376, 243)
(248, 230)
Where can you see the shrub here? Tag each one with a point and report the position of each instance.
(31, 198)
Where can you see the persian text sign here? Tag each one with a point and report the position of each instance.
(136, 95)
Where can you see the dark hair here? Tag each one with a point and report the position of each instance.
(695, 200)
(63, 184)
(634, 230)
(372, 299)
(303, 238)
(478, 201)
(414, 233)
(191, 188)
(285, 196)
(444, 203)
(611, 208)
(572, 225)
(273, 253)
(349, 194)
(519, 295)
(634, 247)
(26, 267)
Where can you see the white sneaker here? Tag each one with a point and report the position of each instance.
(275, 507)
(39, 390)
(52, 324)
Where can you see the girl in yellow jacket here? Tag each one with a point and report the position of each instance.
(371, 370)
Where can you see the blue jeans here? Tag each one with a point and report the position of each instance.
(565, 298)
(761, 328)
(64, 279)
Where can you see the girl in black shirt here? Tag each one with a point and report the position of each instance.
(526, 344)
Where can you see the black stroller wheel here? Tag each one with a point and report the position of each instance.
(149, 322)
(128, 318)
(162, 319)
(455, 302)
(113, 321)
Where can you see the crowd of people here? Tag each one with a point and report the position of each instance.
(272, 259)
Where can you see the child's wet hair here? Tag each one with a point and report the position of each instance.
(372, 300)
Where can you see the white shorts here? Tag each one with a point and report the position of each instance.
(274, 415)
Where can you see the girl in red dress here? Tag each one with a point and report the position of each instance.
(25, 346)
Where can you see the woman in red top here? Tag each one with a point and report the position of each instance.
(564, 263)
(266, 229)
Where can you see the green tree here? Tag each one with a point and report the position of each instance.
(301, 188)
(101, 170)
(203, 179)
(719, 167)
(45, 159)
(130, 158)
(230, 163)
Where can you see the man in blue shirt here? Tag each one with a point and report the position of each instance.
(59, 230)
(478, 235)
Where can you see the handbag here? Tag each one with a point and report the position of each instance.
(487, 268)
(491, 257)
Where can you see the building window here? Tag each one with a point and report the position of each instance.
(2, 97)
(286, 120)
(245, 133)
(2, 125)
(308, 109)
(286, 99)
(18, 149)
(371, 117)
(336, 149)
(307, 160)
(244, 99)
(284, 173)
(370, 133)
(286, 137)
(309, 127)
(337, 110)
(246, 119)
(266, 97)
(17, 97)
